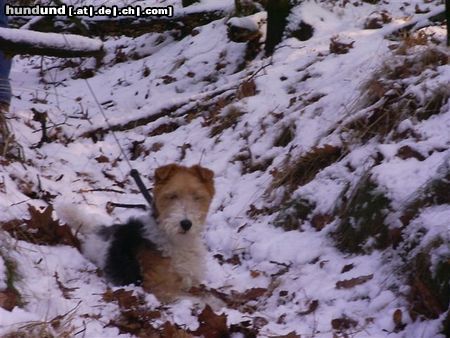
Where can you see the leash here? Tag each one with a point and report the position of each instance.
(133, 172)
(137, 178)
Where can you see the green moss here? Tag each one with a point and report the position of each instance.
(363, 218)
(436, 193)
(441, 280)
(293, 213)
(11, 278)
(429, 295)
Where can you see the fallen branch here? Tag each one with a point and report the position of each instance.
(176, 110)
(101, 190)
(17, 41)
(127, 206)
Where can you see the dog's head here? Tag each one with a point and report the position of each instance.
(182, 198)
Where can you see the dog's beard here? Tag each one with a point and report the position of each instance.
(170, 223)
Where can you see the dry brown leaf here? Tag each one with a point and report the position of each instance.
(41, 228)
(8, 299)
(347, 268)
(249, 295)
(169, 330)
(339, 47)
(343, 324)
(102, 159)
(211, 324)
(397, 317)
(255, 273)
(350, 283)
(125, 298)
(313, 305)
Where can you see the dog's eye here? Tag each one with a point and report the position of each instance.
(198, 198)
(172, 196)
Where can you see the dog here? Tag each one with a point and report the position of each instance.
(165, 252)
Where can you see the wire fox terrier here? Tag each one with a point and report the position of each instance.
(165, 253)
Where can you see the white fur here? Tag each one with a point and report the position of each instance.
(86, 223)
(185, 248)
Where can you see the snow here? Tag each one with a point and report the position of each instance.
(404, 177)
(245, 23)
(303, 265)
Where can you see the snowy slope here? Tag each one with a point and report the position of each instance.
(195, 100)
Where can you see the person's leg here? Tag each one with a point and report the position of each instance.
(8, 146)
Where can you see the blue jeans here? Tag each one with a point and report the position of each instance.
(5, 63)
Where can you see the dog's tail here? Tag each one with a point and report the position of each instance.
(79, 217)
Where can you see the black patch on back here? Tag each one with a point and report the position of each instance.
(121, 265)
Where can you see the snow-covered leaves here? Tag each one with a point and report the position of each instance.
(41, 228)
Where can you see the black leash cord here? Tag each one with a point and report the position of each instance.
(137, 178)
(128, 206)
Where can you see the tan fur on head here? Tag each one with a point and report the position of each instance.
(164, 173)
(183, 191)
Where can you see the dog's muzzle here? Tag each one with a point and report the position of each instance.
(186, 225)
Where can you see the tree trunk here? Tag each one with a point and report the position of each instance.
(277, 13)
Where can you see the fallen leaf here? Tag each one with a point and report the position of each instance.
(8, 299)
(211, 324)
(347, 268)
(102, 159)
(169, 330)
(313, 305)
(255, 273)
(343, 324)
(42, 229)
(350, 283)
(125, 298)
(397, 317)
(339, 47)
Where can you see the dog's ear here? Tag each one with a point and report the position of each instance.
(164, 173)
(204, 174)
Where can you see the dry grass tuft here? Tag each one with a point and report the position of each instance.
(340, 47)
(228, 119)
(410, 40)
(246, 89)
(391, 93)
(303, 170)
(285, 137)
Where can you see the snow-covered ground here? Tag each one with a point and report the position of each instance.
(230, 116)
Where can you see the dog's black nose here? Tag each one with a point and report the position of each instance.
(186, 224)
